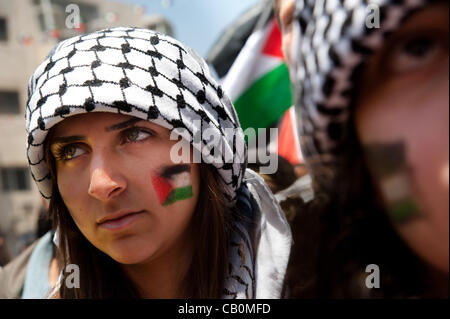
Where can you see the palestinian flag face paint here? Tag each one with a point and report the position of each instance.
(173, 184)
(387, 163)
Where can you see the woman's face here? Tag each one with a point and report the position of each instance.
(402, 121)
(123, 191)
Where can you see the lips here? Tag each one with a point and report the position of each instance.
(120, 220)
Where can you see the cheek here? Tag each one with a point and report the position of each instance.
(161, 186)
(74, 194)
(70, 189)
(173, 183)
(177, 194)
(420, 120)
(177, 200)
(429, 157)
(376, 123)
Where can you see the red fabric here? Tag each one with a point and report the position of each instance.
(55, 33)
(273, 43)
(81, 28)
(286, 140)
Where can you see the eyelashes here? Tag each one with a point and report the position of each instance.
(132, 134)
(59, 150)
(66, 152)
(414, 51)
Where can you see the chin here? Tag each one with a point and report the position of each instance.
(129, 252)
(128, 257)
(128, 260)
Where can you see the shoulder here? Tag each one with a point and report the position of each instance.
(12, 276)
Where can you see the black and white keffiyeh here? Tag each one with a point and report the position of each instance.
(331, 44)
(140, 73)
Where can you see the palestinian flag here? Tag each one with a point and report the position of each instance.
(288, 142)
(258, 81)
(249, 61)
(173, 184)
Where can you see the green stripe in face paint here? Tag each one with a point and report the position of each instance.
(173, 183)
(403, 211)
(179, 194)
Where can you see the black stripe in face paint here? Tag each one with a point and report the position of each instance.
(172, 170)
(385, 159)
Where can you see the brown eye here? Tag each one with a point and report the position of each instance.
(136, 134)
(68, 152)
(133, 135)
(419, 47)
(416, 52)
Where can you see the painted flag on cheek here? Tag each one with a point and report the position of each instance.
(173, 184)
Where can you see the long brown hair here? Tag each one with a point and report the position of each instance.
(102, 277)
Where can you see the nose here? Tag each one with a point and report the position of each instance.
(106, 181)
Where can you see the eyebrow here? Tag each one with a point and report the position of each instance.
(68, 139)
(79, 138)
(122, 125)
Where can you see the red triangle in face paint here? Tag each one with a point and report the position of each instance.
(162, 188)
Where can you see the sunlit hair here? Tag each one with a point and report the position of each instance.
(102, 277)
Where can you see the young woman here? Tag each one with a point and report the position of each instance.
(372, 94)
(107, 117)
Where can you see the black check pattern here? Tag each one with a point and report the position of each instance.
(137, 72)
(331, 48)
